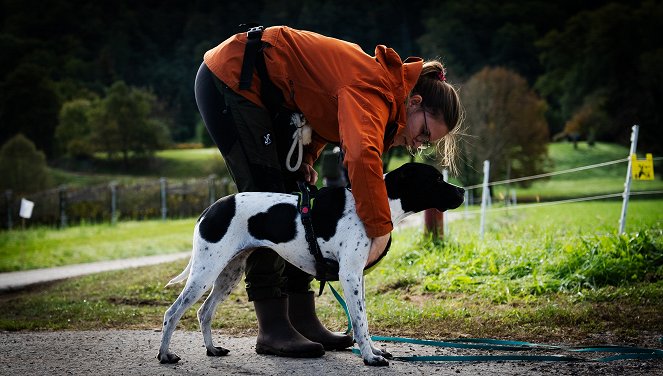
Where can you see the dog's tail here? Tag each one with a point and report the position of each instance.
(182, 276)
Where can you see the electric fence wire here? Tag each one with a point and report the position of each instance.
(550, 203)
(554, 173)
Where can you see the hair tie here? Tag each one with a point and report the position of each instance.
(441, 75)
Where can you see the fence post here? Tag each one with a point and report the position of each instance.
(485, 195)
(467, 198)
(627, 183)
(514, 199)
(113, 189)
(8, 197)
(164, 203)
(445, 229)
(211, 188)
(62, 193)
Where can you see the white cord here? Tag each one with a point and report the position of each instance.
(297, 141)
(550, 173)
(579, 199)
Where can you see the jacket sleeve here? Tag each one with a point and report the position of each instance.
(362, 116)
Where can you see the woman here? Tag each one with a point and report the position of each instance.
(363, 103)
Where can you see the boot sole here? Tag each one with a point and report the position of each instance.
(337, 346)
(269, 350)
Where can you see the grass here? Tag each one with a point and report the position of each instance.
(538, 275)
(596, 181)
(45, 247)
(172, 164)
(585, 183)
(199, 163)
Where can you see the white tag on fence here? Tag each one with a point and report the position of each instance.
(26, 208)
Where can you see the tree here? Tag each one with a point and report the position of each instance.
(614, 53)
(469, 35)
(22, 167)
(506, 121)
(75, 129)
(124, 122)
(29, 105)
(585, 122)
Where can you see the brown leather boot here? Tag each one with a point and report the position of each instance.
(301, 310)
(276, 336)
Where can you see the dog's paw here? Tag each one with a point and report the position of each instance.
(385, 354)
(218, 351)
(168, 358)
(380, 352)
(376, 361)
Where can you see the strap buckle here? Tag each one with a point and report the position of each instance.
(255, 32)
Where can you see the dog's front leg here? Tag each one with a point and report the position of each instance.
(353, 289)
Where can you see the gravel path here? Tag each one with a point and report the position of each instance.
(18, 280)
(123, 352)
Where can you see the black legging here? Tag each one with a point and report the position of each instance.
(250, 143)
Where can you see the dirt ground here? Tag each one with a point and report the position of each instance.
(129, 352)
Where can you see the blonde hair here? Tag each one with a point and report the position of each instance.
(441, 99)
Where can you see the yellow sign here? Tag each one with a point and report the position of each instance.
(642, 169)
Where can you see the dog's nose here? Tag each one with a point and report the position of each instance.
(460, 191)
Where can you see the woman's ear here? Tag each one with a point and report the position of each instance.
(414, 101)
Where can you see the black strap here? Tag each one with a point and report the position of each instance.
(325, 269)
(250, 51)
(271, 96)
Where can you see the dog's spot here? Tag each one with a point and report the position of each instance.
(328, 209)
(216, 219)
(276, 225)
(356, 292)
(340, 244)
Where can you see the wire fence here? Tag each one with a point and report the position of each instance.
(511, 202)
(160, 198)
(549, 174)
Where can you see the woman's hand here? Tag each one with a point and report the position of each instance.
(309, 174)
(377, 247)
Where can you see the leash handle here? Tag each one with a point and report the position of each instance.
(297, 141)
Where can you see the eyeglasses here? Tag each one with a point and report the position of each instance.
(424, 137)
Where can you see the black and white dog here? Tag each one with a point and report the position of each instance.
(232, 227)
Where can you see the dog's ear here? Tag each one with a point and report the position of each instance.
(393, 181)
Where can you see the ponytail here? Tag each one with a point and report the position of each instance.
(441, 99)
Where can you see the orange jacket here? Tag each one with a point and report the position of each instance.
(347, 96)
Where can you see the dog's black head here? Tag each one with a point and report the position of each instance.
(420, 186)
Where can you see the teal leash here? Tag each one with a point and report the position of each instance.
(624, 352)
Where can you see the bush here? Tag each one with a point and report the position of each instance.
(23, 167)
